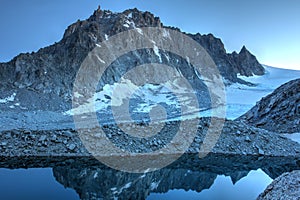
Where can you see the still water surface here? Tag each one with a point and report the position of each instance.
(39, 183)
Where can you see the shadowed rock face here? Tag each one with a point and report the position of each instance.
(246, 64)
(279, 111)
(243, 63)
(52, 70)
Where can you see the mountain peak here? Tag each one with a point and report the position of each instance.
(65, 56)
(99, 8)
(246, 64)
(244, 50)
(109, 23)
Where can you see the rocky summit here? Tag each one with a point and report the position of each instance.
(50, 72)
(279, 111)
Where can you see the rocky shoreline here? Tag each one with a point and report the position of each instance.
(236, 138)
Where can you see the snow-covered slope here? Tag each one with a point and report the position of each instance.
(240, 98)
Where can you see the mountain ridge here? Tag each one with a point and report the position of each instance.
(37, 71)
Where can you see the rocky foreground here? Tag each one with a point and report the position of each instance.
(236, 138)
(285, 187)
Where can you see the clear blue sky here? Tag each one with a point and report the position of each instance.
(270, 29)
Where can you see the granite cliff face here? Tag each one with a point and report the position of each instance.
(246, 64)
(279, 111)
(243, 63)
(52, 69)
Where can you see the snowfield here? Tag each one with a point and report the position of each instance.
(239, 98)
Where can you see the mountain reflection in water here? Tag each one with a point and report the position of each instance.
(249, 187)
(189, 177)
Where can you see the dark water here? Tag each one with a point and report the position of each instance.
(213, 177)
(34, 183)
(39, 183)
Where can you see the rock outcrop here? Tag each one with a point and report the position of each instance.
(52, 69)
(246, 63)
(279, 111)
(286, 186)
(243, 63)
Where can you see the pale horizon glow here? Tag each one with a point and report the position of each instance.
(269, 29)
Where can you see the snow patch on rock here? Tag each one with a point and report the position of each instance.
(10, 98)
(156, 51)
